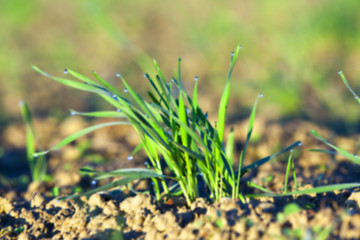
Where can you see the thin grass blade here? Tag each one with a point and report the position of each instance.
(102, 114)
(316, 190)
(79, 134)
(230, 146)
(225, 97)
(135, 173)
(352, 157)
(74, 84)
(331, 152)
(288, 171)
(81, 77)
(106, 84)
(342, 75)
(106, 187)
(254, 185)
(30, 133)
(260, 162)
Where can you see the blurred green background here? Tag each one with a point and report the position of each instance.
(291, 53)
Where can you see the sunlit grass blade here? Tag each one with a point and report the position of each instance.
(230, 144)
(194, 99)
(225, 96)
(352, 157)
(74, 84)
(315, 190)
(288, 171)
(105, 187)
(342, 75)
(248, 136)
(183, 118)
(106, 84)
(79, 134)
(136, 173)
(106, 114)
(81, 77)
(137, 149)
(254, 185)
(142, 104)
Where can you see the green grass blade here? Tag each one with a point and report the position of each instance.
(254, 185)
(79, 134)
(138, 148)
(316, 190)
(189, 151)
(108, 186)
(294, 175)
(288, 171)
(352, 157)
(183, 118)
(106, 114)
(342, 75)
(248, 136)
(194, 99)
(331, 152)
(81, 77)
(135, 173)
(30, 133)
(106, 84)
(74, 84)
(225, 97)
(142, 104)
(260, 162)
(230, 146)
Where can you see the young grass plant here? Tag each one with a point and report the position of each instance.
(173, 128)
(38, 165)
(352, 157)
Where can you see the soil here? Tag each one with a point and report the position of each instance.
(30, 210)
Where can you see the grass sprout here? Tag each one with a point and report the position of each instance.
(37, 163)
(174, 130)
(352, 157)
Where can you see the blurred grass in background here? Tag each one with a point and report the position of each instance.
(291, 52)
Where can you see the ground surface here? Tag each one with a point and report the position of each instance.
(29, 211)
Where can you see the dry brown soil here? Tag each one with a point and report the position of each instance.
(30, 211)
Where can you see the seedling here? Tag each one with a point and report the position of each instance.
(290, 165)
(37, 164)
(173, 127)
(352, 157)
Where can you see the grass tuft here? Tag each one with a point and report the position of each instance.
(174, 129)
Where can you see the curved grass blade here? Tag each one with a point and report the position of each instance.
(135, 173)
(315, 190)
(225, 96)
(106, 84)
(260, 162)
(254, 185)
(111, 114)
(74, 84)
(342, 75)
(108, 186)
(248, 136)
(79, 134)
(355, 159)
(81, 77)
